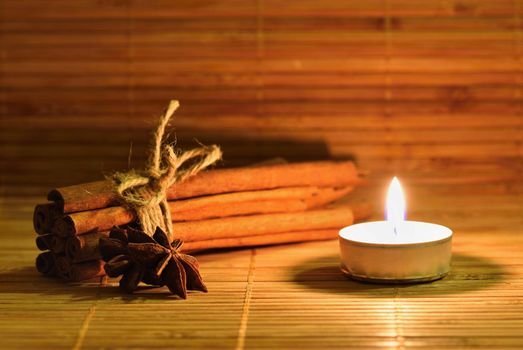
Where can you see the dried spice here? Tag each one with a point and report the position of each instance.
(137, 257)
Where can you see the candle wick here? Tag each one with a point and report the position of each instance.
(395, 230)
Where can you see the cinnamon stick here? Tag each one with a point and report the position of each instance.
(43, 242)
(326, 196)
(85, 247)
(244, 196)
(289, 199)
(86, 196)
(261, 240)
(44, 216)
(80, 271)
(63, 266)
(45, 263)
(86, 270)
(320, 174)
(360, 212)
(92, 220)
(57, 244)
(100, 194)
(241, 226)
(255, 202)
(246, 208)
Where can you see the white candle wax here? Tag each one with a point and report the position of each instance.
(383, 232)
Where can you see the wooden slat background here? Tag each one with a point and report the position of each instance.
(404, 87)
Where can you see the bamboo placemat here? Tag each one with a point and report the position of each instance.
(290, 296)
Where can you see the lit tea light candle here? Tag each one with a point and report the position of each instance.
(395, 250)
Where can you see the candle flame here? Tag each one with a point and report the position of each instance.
(395, 204)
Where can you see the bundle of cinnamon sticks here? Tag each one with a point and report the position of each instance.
(221, 208)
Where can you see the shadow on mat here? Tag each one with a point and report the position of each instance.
(26, 280)
(468, 273)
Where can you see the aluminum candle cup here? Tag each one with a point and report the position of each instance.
(417, 252)
(396, 250)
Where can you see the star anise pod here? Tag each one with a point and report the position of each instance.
(152, 260)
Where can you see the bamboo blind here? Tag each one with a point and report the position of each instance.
(404, 86)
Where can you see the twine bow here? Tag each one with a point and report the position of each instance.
(146, 192)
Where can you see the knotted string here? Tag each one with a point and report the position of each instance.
(146, 192)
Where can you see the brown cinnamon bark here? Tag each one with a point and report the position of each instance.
(320, 174)
(45, 263)
(43, 242)
(57, 244)
(63, 266)
(245, 196)
(80, 271)
(326, 196)
(360, 212)
(86, 196)
(261, 240)
(245, 208)
(289, 199)
(100, 194)
(242, 226)
(282, 200)
(85, 247)
(86, 270)
(92, 220)
(44, 216)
